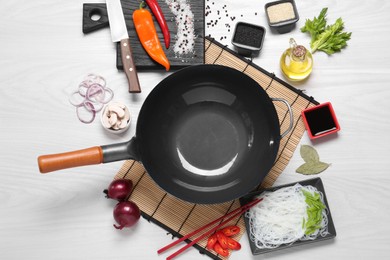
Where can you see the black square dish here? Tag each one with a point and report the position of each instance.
(248, 38)
(317, 183)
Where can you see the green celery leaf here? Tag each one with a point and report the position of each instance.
(326, 38)
(315, 26)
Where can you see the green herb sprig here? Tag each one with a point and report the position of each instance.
(326, 38)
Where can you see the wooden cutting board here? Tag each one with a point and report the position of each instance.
(142, 59)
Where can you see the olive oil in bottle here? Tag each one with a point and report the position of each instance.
(296, 62)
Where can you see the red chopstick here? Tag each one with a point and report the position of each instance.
(206, 226)
(232, 215)
(243, 209)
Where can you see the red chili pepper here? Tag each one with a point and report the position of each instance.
(220, 250)
(233, 244)
(212, 241)
(231, 231)
(157, 12)
(222, 239)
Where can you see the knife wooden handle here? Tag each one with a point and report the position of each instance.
(129, 66)
(54, 162)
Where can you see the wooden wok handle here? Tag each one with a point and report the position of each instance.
(54, 162)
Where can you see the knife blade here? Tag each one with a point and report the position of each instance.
(119, 34)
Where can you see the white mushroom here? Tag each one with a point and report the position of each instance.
(105, 121)
(115, 127)
(123, 124)
(113, 119)
(116, 116)
(116, 109)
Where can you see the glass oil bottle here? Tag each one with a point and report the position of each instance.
(296, 62)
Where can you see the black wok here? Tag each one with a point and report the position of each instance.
(205, 134)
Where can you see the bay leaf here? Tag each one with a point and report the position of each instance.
(310, 168)
(309, 154)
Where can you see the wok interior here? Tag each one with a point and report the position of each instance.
(208, 134)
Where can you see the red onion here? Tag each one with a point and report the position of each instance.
(126, 214)
(119, 189)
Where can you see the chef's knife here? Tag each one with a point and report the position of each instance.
(119, 34)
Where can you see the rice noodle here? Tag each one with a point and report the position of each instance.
(278, 219)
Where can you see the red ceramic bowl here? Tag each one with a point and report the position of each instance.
(320, 120)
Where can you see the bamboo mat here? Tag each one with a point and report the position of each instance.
(179, 217)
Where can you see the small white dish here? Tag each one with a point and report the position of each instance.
(115, 117)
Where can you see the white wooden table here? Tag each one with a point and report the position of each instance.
(64, 215)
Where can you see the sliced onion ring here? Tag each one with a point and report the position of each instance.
(93, 78)
(94, 95)
(73, 101)
(80, 117)
(110, 96)
(91, 106)
(83, 87)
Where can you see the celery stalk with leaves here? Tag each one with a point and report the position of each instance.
(326, 38)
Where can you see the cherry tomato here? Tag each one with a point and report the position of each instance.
(212, 241)
(233, 244)
(231, 231)
(220, 250)
(222, 240)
